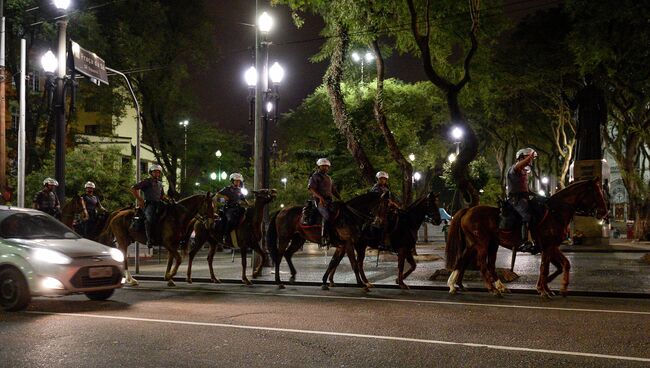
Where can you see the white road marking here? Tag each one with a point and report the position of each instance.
(512, 306)
(354, 335)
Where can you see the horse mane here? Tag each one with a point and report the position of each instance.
(560, 194)
(363, 202)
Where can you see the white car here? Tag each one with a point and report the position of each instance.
(39, 256)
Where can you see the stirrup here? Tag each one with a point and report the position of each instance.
(529, 247)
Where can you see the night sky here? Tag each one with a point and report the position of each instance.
(224, 94)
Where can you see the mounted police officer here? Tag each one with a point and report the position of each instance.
(152, 189)
(381, 187)
(518, 194)
(233, 210)
(90, 203)
(380, 224)
(46, 200)
(323, 189)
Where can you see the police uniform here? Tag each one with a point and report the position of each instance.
(518, 191)
(92, 203)
(233, 211)
(323, 185)
(153, 194)
(48, 202)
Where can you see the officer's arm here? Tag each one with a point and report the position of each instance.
(335, 192)
(316, 194)
(525, 162)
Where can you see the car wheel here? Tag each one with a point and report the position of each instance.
(100, 295)
(14, 292)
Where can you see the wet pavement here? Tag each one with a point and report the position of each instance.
(615, 268)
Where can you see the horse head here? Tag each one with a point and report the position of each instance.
(206, 206)
(591, 200)
(433, 208)
(265, 195)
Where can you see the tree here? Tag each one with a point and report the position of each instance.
(610, 40)
(104, 167)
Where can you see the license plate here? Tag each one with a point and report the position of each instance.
(98, 272)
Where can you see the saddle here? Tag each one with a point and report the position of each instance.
(310, 215)
(509, 218)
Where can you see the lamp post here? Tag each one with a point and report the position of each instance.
(545, 182)
(368, 57)
(59, 101)
(184, 124)
(284, 181)
(213, 177)
(218, 155)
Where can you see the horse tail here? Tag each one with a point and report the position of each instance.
(272, 237)
(455, 240)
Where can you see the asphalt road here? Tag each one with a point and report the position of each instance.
(205, 325)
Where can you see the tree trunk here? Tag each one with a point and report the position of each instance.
(460, 169)
(380, 116)
(333, 78)
(642, 223)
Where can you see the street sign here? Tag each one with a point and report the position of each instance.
(88, 63)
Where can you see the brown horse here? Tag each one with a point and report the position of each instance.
(171, 228)
(474, 234)
(70, 210)
(249, 234)
(403, 236)
(286, 234)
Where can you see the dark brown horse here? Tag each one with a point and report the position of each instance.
(403, 235)
(474, 234)
(71, 210)
(171, 228)
(249, 234)
(286, 234)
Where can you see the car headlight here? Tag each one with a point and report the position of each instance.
(117, 255)
(50, 256)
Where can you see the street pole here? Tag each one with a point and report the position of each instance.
(21, 126)
(59, 112)
(258, 148)
(3, 127)
(185, 158)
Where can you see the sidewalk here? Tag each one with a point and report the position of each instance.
(619, 267)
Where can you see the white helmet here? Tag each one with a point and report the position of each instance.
(90, 184)
(382, 174)
(525, 152)
(155, 167)
(236, 176)
(323, 161)
(50, 181)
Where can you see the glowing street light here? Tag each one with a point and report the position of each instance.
(417, 176)
(544, 180)
(412, 157)
(250, 76)
(367, 57)
(224, 175)
(244, 191)
(451, 157)
(49, 62)
(284, 181)
(542, 192)
(457, 133)
(276, 73)
(218, 153)
(62, 4)
(269, 106)
(265, 22)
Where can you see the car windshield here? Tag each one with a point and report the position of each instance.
(25, 225)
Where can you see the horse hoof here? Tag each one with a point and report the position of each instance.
(564, 293)
(404, 287)
(256, 275)
(171, 283)
(324, 287)
(189, 281)
(292, 280)
(369, 285)
(462, 287)
(134, 283)
(281, 286)
(247, 282)
(332, 284)
(365, 289)
(453, 291)
(545, 295)
(215, 281)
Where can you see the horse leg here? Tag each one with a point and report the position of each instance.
(542, 282)
(492, 260)
(277, 259)
(170, 260)
(349, 250)
(482, 262)
(294, 246)
(262, 261)
(244, 250)
(401, 256)
(411, 260)
(210, 259)
(361, 256)
(128, 278)
(563, 265)
(334, 263)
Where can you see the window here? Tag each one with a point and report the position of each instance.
(15, 118)
(92, 129)
(35, 81)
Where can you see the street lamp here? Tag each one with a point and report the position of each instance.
(545, 182)
(457, 134)
(49, 62)
(412, 157)
(284, 181)
(184, 124)
(368, 57)
(265, 22)
(224, 175)
(58, 109)
(213, 177)
(218, 154)
(452, 157)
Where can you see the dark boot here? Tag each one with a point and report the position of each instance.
(324, 234)
(527, 245)
(149, 231)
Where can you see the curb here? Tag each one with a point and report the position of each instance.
(582, 293)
